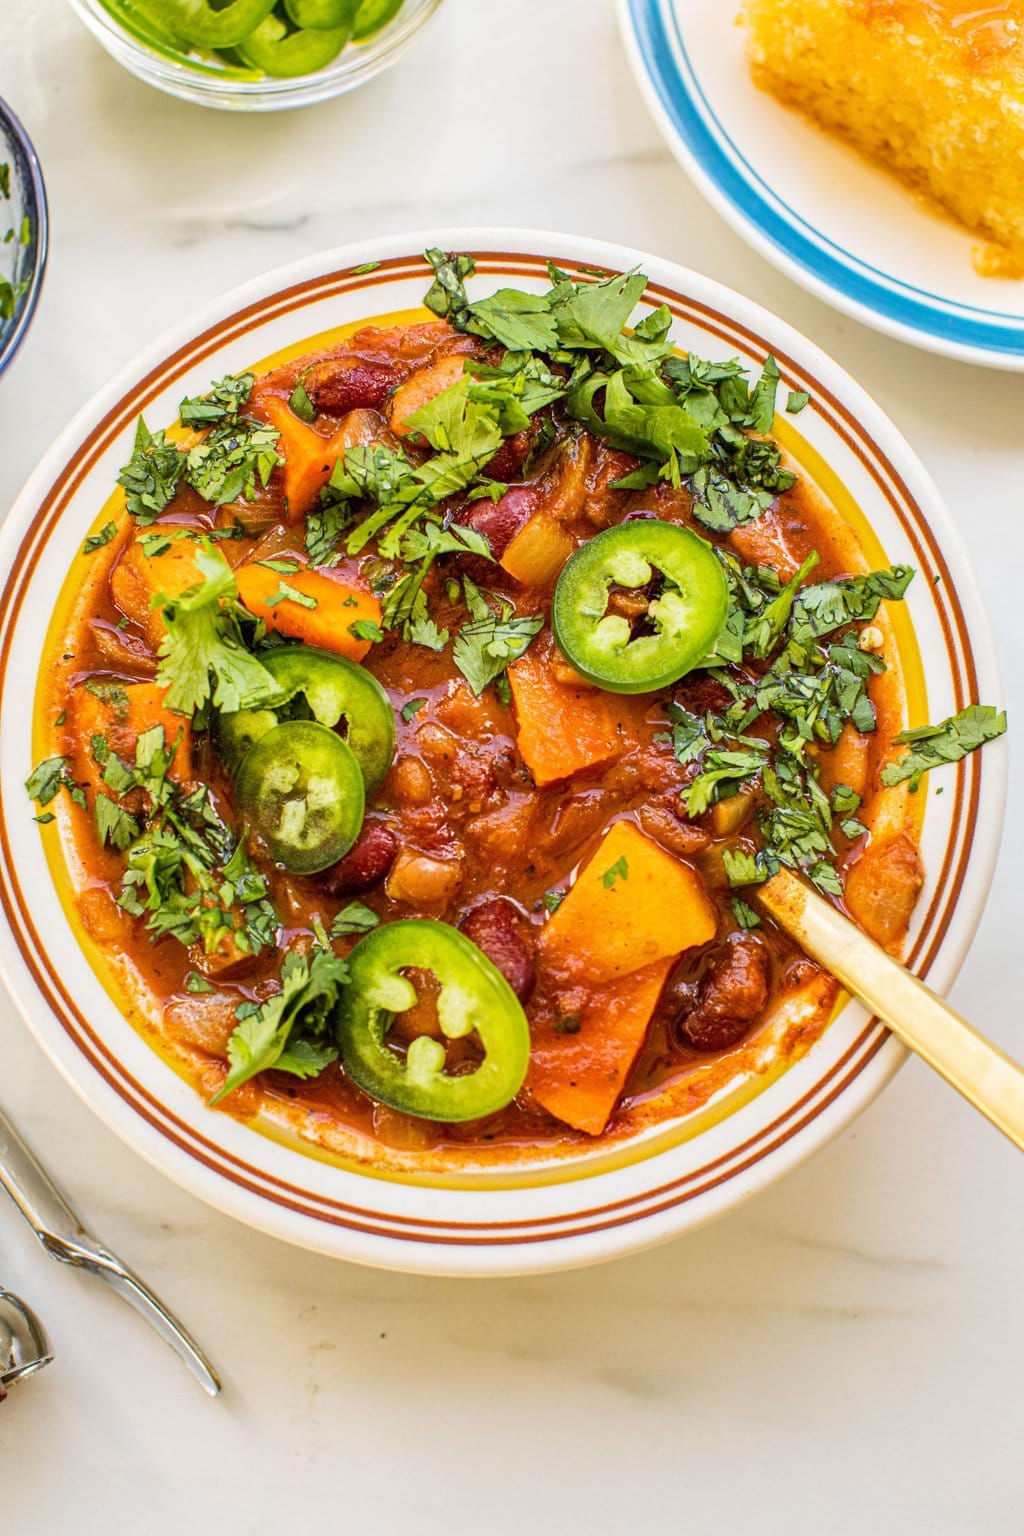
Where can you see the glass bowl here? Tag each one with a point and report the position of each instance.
(212, 87)
(22, 261)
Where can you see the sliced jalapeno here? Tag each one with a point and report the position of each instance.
(322, 13)
(334, 689)
(272, 48)
(301, 788)
(209, 27)
(374, 14)
(678, 593)
(474, 998)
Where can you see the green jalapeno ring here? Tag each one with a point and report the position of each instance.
(286, 55)
(687, 615)
(474, 997)
(371, 15)
(205, 27)
(322, 14)
(334, 688)
(301, 788)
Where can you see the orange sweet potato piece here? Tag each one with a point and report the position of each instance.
(882, 887)
(137, 578)
(339, 605)
(562, 729)
(121, 714)
(632, 904)
(309, 457)
(422, 387)
(579, 1077)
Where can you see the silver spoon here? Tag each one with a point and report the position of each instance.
(24, 1348)
(65, 1239)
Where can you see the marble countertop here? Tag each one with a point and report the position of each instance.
(841, 1354)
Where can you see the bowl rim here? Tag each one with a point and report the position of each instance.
(41, 234)
(834, 1102)
(350, 69)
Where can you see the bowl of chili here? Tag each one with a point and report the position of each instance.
(256, 55)
(23, 233)
(462, 638)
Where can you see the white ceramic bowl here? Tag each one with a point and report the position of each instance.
(667, 1180)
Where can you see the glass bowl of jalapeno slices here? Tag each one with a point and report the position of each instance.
(255, 55)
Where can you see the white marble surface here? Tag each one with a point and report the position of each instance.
(840, 1355)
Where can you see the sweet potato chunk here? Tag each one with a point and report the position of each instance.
(579, 1075)
(563, 729)
(120, 713)
(882, 887)
(337, 606)
(137, 579)
(633, 904)
(422, 387)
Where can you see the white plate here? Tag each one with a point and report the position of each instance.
(836, 224)
(559, 1215)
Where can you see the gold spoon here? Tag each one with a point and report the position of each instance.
(987, 1078)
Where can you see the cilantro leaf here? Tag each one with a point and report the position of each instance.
(523, 322)
(487, 643)
(113, 823)
(446, 296)
(948, 742)
(151, 477)
(203, 642)
(355, 918)
(97, 540)
(287, 1030)
(618, 871)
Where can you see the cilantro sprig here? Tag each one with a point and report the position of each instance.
(289, 1031)
(203, 655)
(948, 742)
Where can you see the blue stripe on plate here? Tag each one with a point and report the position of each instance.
(705, 138)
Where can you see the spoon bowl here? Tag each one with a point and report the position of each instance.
(24, 1347)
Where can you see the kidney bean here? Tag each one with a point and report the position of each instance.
(347, 384)
(731, 994)
(508, 462)
(366, 863)
(702, 695)
(494, 928)
(499, 521)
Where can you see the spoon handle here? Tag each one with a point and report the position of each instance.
(65, 1239)
(987, 1078)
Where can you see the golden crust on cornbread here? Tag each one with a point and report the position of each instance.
(932, 89)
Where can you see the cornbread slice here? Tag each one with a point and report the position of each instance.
(931, 89)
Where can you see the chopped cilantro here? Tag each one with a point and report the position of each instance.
(288, 1032)
(618, 871)
(744, 914)
(152, 474)
(553, 899)
(198, 984)
(97, 540)
(366, 629)
(300, 403)
(49, 777)
(203, 642)
(947, 742)
(355, 918)
(287, 593)
(796, 401)
(489, 640)
(412, 708)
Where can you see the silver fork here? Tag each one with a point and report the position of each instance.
(65, 1239)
